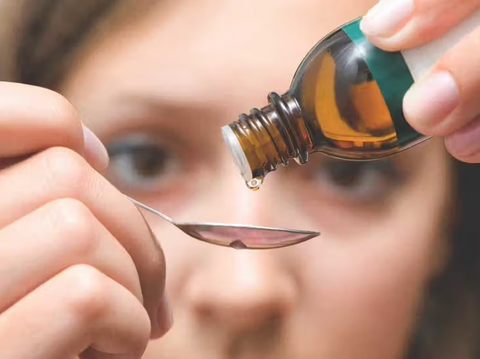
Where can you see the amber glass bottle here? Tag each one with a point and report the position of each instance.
(345, 101)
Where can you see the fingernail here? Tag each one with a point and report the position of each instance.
(164, 315)
(385, 18)
(95, 152)
(466, 141)
(428, 102)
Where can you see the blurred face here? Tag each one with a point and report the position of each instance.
(157, 94)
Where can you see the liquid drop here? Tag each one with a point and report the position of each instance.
(255, 183)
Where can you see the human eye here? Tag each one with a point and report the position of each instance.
(365, 182)
(142, 163)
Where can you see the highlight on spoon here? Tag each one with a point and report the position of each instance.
(246, 237)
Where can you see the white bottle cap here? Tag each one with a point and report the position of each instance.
(237, 152)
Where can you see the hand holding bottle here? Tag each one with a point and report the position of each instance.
(80, 271)
(445, 102)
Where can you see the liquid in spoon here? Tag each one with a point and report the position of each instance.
(238, 244)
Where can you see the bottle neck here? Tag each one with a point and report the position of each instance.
(269, 137)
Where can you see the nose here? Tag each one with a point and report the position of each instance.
(242, 291)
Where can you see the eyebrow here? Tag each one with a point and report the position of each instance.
(152, 104)
(132, 111)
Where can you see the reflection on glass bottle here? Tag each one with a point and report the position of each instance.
(345, 101)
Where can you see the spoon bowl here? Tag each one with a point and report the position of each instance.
(237, 236)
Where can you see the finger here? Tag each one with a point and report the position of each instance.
(33, 119)
(401, 24)
(95, 152)
(446, 100)
(464, 144)
(62, 173)
(79, 308)
(59, 235)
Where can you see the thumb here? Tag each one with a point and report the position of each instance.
(395, 25)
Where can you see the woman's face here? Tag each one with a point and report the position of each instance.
(157, 94)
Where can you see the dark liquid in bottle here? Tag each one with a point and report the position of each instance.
(339, 94)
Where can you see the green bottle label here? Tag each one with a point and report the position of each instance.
(392, 75)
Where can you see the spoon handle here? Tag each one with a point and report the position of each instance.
(150, 209)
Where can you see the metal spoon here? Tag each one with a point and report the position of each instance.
(237, 236)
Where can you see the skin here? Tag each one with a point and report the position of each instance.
(66, 259)
(353, 292)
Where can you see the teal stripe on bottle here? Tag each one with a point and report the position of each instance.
(392, 75)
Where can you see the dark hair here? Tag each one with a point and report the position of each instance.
(50, 35)
(449, 321)
(53, 32)
(449, 326)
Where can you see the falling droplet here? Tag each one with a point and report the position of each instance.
(255, 183)
(238, 244)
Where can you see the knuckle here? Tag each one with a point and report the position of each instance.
(76, 225)
(88, 297)
(65, 168)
